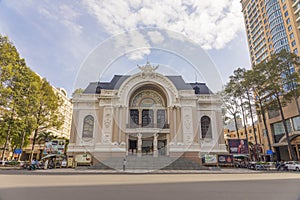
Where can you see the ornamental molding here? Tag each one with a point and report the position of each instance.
(147, 94)
(148, 70)
(137, 80)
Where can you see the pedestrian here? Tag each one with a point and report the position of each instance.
(277, 164)
(46, 164)
(33, 163)
(124, 164)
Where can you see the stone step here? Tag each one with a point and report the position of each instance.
(149, 163)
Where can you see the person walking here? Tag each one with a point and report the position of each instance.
(46, 164)
(124, 164)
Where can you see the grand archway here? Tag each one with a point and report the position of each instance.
(148, 121)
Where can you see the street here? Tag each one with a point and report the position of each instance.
(150, 186)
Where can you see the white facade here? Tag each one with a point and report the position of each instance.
(146, 114)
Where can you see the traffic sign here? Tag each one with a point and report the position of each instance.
(270, 152)
(18, 151)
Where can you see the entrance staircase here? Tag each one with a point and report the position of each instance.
(149, 163)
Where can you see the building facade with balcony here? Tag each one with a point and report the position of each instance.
(147, 113)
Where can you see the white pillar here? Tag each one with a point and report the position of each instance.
(155, 151)
(126, 143)
(155, 118)
(139, 151)
(167, 147)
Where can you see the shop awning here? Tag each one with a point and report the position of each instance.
(52, 156)
(279, 144)
(241, 156)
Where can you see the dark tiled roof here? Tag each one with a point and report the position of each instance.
(116, 82)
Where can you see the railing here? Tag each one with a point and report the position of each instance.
(161, 126)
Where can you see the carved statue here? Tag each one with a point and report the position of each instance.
(148, 70)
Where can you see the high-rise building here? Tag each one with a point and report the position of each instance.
(273, 25)
(66, 110)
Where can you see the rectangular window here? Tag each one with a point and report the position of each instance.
(286, 14)
(293, 43)
(288, 21)
(279, 128)
(296, 51)
(290, 28)
(292, 36)
(296, 123)
(161, 118)
(134, 116)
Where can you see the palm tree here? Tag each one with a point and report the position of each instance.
(45, 136)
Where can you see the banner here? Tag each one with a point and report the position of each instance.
(210, 159)
(225, 159)
(238, 146)
(55, 147)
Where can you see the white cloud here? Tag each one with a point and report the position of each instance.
(155, 37)
(211, 24)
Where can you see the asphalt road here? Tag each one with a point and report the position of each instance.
(145, 187)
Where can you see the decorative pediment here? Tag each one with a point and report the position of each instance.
(148, 70)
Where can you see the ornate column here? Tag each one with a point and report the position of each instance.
(155, 150)
(126, 143)
(167, 147)
(140, 117)
(155, 118)
(139, 150)
(174, 135)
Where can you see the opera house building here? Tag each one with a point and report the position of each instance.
(146, 114)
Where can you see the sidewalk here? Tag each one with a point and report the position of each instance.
(82, 170)
(97, 171)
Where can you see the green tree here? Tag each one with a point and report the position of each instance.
(77, 91)
(11, 86)
(45, 136)
(277, 82)
(231, 105)
(256, 79)
(46, 114)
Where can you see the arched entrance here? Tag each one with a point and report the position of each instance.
(148, 117)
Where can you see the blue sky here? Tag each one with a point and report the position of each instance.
(58, 38)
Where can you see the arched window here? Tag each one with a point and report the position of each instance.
(161, 118)
(88, 127)
(147, 118)
(206, 127)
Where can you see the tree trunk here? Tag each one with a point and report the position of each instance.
(13, 150)
(253, 126)
(33, 144)
(8, 134)
(265, 123)
(21, 145)
(292, 153)
(245, 127)
(236, 127)
(5, 144)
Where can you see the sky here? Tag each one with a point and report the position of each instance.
(73, 42)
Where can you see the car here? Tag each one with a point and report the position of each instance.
(5, 162)
(293, 165)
